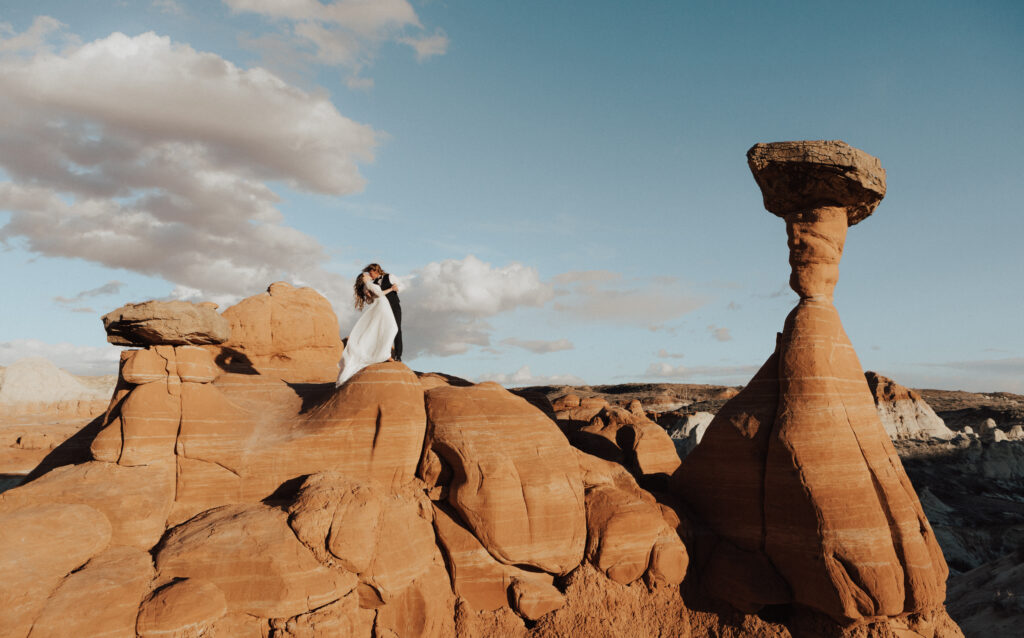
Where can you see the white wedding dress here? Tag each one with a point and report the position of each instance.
(371, 338)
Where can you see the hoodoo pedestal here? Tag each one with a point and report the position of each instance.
(797, 470)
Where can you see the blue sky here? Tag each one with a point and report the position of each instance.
(560, 187)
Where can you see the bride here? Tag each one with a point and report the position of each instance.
(373, 335)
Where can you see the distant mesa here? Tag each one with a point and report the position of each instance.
(41, 407)
(38, 380)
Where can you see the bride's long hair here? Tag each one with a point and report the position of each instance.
(363, 294)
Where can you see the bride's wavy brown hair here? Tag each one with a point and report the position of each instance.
(363, 294)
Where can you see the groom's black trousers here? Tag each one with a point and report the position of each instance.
(396, 308)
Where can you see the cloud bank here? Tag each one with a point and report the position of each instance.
(539, 346)
(343, 33)
(145, 154)
(524, 377)
(446, 304)
(604, 296)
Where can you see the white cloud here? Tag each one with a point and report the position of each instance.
(523, 377)
(109, 288)
(428, 46)
(665, 354)
(446, 304)
(721, 374)
(75, 359)
(342, 33)
(719, 334)
(35, 38)
(606, 296)
(144, 154)
(170, 7)
(539, 346)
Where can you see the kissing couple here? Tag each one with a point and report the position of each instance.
(377, 336)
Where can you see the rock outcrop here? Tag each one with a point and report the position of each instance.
(514, 479)
(797, 470)
(904, 414)
(689, 431)
(174, 323)
(228, 495)
(287, 332)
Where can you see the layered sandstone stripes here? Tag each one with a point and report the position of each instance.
(797, 468)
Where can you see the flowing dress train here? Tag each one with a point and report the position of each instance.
(371, 338)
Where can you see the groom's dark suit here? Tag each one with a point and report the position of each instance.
(384, 281)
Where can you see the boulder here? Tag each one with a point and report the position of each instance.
(623, 529)
(566, 401)
(287, 332)
(515, 481)
(568, 410)
(532, 599)
(800, 176)
(990, 432)
(166, 322)
(644, 446)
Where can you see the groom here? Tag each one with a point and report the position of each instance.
(383, 280)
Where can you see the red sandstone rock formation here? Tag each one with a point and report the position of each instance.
(223, 499)
(287, 332)
(796, 473)
(228, 494)
(174, 323)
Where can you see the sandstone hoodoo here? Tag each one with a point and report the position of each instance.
(797, 471)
